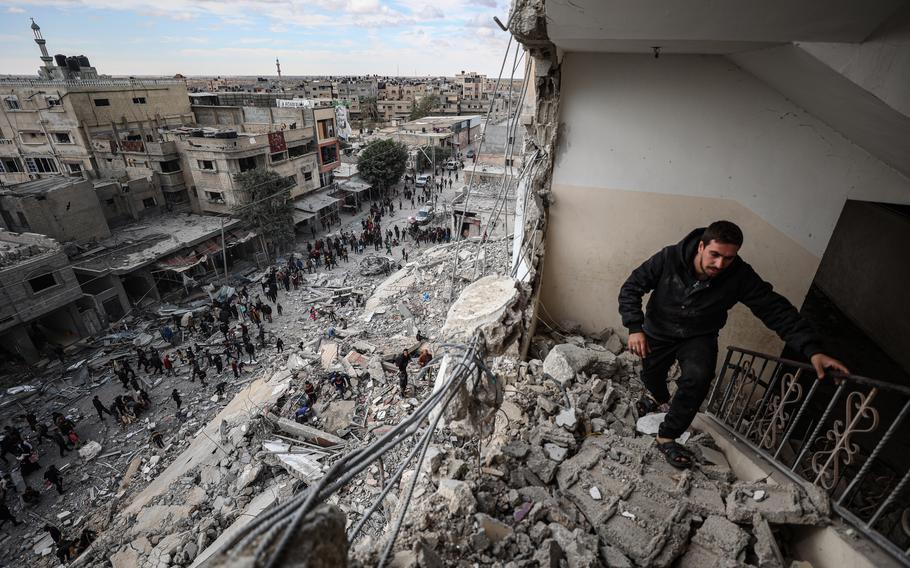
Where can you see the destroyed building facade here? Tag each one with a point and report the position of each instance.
(41, 297)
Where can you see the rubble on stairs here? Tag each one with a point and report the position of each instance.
(566, 480)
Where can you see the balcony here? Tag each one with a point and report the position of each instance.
(162, 149)
(170, 179)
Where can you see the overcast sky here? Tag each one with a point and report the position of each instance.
(243, 37)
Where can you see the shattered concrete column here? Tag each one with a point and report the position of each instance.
(492, 305)
(528, 24)
(319, 542)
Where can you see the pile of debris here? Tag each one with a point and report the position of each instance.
(177, 506)
(566, 475)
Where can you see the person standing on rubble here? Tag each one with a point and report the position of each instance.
(693, 284)
(401, 361)
(176, 396)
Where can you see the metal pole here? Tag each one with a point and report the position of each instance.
(224, 251)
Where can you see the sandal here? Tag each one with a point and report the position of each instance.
(677, 456)
(647, 405)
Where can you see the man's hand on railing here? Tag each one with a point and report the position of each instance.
(821, 362)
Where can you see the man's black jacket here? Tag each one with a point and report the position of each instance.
(681, 306)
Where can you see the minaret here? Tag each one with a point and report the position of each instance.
(278, 65)
(41, 43)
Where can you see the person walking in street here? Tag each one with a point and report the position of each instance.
(279, 345)
(176, 396)
(100, 408)
(693, 284)
(52, 477)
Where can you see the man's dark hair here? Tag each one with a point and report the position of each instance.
(724, 232)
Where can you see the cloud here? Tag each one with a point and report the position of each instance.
(310, 36)
(15, 10)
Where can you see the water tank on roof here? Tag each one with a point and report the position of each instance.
(226, 134)
(60, 59)
(83, 61)
(72, 64)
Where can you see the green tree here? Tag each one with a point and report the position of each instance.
(423, 107)
(382, 163)
(442, 154)
(267, 206)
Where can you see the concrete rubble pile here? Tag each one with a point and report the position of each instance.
(566, 480)
(177, 506)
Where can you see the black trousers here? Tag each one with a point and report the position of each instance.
(697, 358)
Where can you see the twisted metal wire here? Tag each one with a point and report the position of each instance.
(281, 522)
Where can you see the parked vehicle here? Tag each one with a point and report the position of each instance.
(470, 153)
(424, 216)
(422, 180)
(451, 165)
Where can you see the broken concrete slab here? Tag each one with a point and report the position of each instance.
(304, 432)
(564, 361)
(90, 450)
(722, 536)
(766, 548)
(337, 415)
(780, 504)
(491, 305)
(328, 352)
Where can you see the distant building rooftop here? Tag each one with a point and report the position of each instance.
(138, 244)
(18, 247)
(41, 186)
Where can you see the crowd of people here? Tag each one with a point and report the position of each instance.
(192, 352)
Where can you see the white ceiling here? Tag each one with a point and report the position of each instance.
(706, 26)
(808, 50)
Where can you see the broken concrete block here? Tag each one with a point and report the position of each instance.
(364, 346)
(766, 549)
(781, 504)
(547, 405)
(548, 554)
(90, 450)
(494, 529)
(723, 537)
(580, 548)
(614, 344)
(338, 415)
(426, 556)
(614, 558)
(458, 496)
(564, 361)
(566, 419)
(554, 452)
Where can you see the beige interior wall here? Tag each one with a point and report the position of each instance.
(650, 149)
(597, 236)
